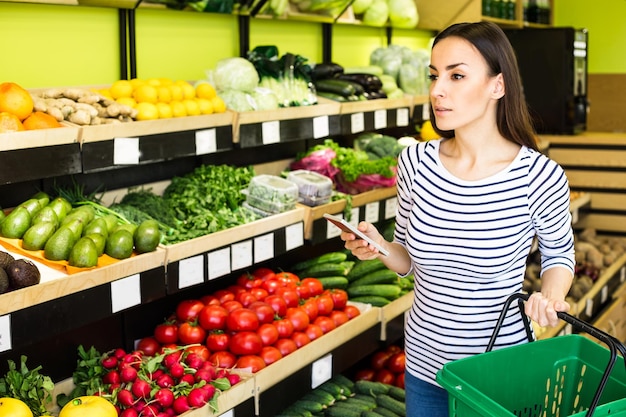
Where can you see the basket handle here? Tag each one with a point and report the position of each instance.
(613, 343)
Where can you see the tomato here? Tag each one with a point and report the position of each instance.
(224, 295)
(199, 350)
(223, 359)
(210, 299)
(217, 340)
(367, 374)
(188, 309)
(166, 333)
(268, 333)
(379, 359)
(263, 310)
(277, 303)
(339, 317)
(213, 317)
(298, 317)
(325, 304)
(253, 362)
(303, 292)
(89, 405)
(385, 376)
(270, 354)
(300, 338)
(310, 307)
(271, 285)
(325, 323)
(284, 327)
(149, 346)
(399, 380)
(231, 305)
(190, 333)
(248, 281)
(394, 349)
(289, 279)
(263, 273)
(396, 362)
(290, 295)
(245, 343)
(259, 293)
(245, 298)
(351, 311)
(242, 319)
(315, 286)
(340, 298)
(286, 346)
(314, 331)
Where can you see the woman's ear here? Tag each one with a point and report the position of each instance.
(498, 87)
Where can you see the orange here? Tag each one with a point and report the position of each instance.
(10, 123)
(40, 120)
(14, 99)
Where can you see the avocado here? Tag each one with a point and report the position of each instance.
(147, 236)
(5, 259)
(84, 253)
(4, 281)
(16, 223)
(46, 214)
(23, 273)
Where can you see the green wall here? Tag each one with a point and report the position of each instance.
(51, 45)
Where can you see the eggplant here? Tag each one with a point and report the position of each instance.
(369, 82)
(324, 71)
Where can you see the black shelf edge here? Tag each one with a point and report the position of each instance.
(251, 134)
(21, 165)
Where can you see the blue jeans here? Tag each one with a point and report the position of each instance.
(424, 399)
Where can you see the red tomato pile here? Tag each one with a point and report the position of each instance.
(385, 366)
(164, 385)
(265, 316)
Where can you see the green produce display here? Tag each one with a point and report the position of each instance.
(27, 385)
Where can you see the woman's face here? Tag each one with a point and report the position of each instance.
(462, 93)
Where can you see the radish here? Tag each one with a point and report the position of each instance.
(165, 397)
(197, 398)
(151, 410)
(125, 397)
(165, 381)
(109, 362)
(233, 379)
(181, 405)
(188, 378)
(111, 377)
(128, 374)
(204, 375)
(129, 412)
(177, 370)
(141, 389)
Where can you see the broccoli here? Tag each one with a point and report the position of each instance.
(381, 146)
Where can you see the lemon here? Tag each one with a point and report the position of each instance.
(427, 132)
(192, 107)
(127, 101)
(178, 108)
(121, 88)
(205, 105)
(177, 92)
(14, 408)
(166, 81)
(146, 94)
(165, 110)
(137, 82)
(164, 94)
(205, 90)
(218, 105)
(187, 88)
(147, 111)
(155, 82)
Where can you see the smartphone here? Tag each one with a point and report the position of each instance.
(347, 227)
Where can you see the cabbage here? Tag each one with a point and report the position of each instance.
(265, 99)
(403, 14)
(391, 62)
(377, 14)
(237, 100)
(409, 79)
(235, 73)
(360, 6)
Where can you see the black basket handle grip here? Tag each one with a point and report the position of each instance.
(613, 344)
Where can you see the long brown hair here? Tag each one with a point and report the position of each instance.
(513, 119)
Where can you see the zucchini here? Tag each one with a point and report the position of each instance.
(374, 300)
(362, 268)
(332, 85)
(371, 387)
(340, 282)
(328, 269)
(390, 403)
(381, 276)
(335, 257)
(368, 69)
(389, 291)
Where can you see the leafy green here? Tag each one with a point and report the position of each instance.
(27, 385)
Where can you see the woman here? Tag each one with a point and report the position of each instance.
(469, 206)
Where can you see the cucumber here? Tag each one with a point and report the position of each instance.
(308, 405)
(381, 276)
(366, 398)
(388, 291)
(371, 387)
(334, 257)
(340, 282)
(336, 411)
(385, 412)
(328, 269)
(397, 393)
(334, 389)
(343, 380)
(370, 413)
(374, 300)
(332, 96)
(390, 403)
(362, 268)
(321, 396)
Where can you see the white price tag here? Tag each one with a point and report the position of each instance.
(331, 230)
(357, 122)
(5, 333)
(241, 253)
(125, 293)
(321, 370)
(402, 117)
(294, 236)
(380, 119)
(575, 216)
(589, 307)
(391, 207)
(372, 212)
(271, 132)
(206, 141)
(604, 294)
(125, 151)
(263, 247)
(219, 263)
(229, 413)
(191, 271)
(354, 219)
(425, 111)
(320, 127)
(622, 274)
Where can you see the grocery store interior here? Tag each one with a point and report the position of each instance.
(222, 197)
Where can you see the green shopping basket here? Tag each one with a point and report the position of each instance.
(562, 376)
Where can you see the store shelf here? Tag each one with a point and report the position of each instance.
(371, 115)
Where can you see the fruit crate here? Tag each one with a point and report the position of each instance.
(561, 376)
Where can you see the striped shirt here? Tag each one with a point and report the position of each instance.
(469, 242)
